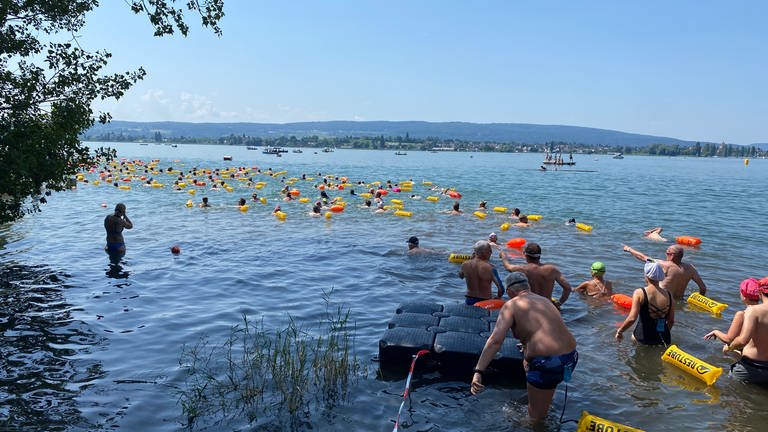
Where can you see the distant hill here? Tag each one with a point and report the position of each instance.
(488, 132)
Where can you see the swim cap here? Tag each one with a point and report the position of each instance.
(750, 289)
(413, 240)
(653, 271)
(533, 250)
(516, 281)
(598, 267)
(763, 285)
(491, 235)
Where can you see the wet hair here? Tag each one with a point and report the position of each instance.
(456, 205)
(516, 211)
(523, 218)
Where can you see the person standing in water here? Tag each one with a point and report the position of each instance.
(597, 286)
(114, 225)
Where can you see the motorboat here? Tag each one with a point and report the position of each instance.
(618, 156)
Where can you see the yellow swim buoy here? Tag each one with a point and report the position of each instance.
(458, 258)
(244, 207)
(157, 185)
(706, 303)
(328, 215)
(397, 201)
(700, 369)
(584, 227)
(480, 214)
(263, 200)
(426, 183)
(500, 209)
(403, 213)
(189, 203)
(433, 198)
(746, 162)
(592, 423)
(504, 226)
(365, 195)
(124, 187)
(534, 217)
(280, 215)
(191, 191)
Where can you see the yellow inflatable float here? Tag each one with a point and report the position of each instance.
(584, 227)
(706, 303)
(592, 423)
(688, 363)
(403, 213)
(480, 214)
(459, 258)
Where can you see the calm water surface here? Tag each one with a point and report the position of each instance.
(89, 345)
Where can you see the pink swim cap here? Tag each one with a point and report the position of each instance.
(750, 289)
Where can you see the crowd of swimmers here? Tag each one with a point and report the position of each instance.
(549, 348)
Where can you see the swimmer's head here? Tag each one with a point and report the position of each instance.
(533, 251)
(413, 241)
(598, 267)
(482, 247)
(492, 237)
(516, 282)
(750, 289)
(653, 271)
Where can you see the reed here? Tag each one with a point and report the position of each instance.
(276, 376)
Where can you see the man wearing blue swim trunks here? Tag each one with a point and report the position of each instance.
(114, 225)
(549, 348)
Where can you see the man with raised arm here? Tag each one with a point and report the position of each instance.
(677, 273)
(541, 277)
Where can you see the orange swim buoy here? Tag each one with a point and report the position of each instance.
(294, 192)
(492, 304)
(454, 194)
(516, 242)
(337, 208)
(622, 300)
(688, 240)
(382, 191)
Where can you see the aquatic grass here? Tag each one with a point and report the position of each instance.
(279, 375)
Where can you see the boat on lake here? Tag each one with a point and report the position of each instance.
(556, 158)
(618, 156)
(297, 151)
(252, 147)
(327, 150)
(274, 150)
(399, 153)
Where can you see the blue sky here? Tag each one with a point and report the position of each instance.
(693, 70)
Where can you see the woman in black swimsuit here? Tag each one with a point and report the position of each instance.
(654, 307)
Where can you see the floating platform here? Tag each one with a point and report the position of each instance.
(454, 335)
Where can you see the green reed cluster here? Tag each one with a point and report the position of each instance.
(271, 375)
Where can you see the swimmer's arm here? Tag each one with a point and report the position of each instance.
(633, 312)
(700, 282)
(565, 286)
(636, 253)
(494, 342)
(507, 265)
(671, 317)
(127, 222)
(733, 330)
(461, 271)
(582, 286)
(745, 334)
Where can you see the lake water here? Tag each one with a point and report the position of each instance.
(91, 345)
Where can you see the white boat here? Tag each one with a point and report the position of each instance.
(274, 150)
(618, 156)
(327, 150)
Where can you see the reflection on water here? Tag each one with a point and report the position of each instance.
(39, 374)
(115, 269)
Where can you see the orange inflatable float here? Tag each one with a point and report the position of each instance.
(688, 240)
(516, 242)
(492, 304)
(622, 300)
(337, 208)
(454, 194)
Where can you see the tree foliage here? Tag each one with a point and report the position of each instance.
(48, 84)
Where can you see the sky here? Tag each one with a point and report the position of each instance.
(688, 69)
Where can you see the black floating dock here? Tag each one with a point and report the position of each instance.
(454, 335)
